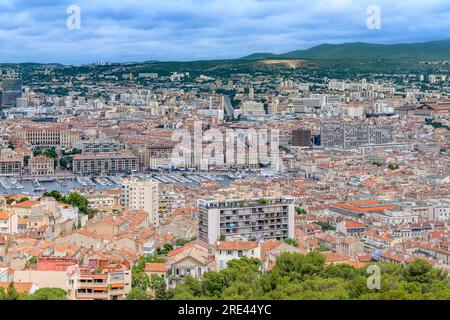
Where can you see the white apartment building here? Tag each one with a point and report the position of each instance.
(8, 222)
(141, 194)
(257, 219)
(6, 275)
(396, 216)
(440, 208)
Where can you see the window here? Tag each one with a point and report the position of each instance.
(229, 252)
(116, 276)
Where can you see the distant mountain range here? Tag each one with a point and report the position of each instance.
(357, 56)
(433, 50)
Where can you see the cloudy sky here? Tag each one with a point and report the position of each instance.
(140, 30)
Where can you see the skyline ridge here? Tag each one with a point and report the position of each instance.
(266, 55)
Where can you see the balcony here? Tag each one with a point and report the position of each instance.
(92, 284)
(92, 295)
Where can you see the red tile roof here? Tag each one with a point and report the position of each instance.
(236, 245)
(156, 267)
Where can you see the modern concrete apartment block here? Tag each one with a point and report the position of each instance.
(257, 218)
(347, 135)
(141, 194)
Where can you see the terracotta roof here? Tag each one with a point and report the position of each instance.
(236, 245)
(4, 215)
(353, 225)
(156, 267)
(269, 245)
(365, 258)
(179, 250)
(26, 204)
(336, 257)
(358, 207)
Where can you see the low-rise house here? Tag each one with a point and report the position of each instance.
(438, 252)
(396, 256)
(271, 250)
(82, 238)
(350, 227)
(373, 242)
(327, 240)
(229, 250)
(156, 269)
(8, 222)
(339, 258)
(194, 259)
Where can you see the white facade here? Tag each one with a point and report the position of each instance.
(142, 195)
(5, 275)
(441, 212)
(222, 257)
(260, 219)
(8, 222)
(393, 217)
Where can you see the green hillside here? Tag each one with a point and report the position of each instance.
(434, 50)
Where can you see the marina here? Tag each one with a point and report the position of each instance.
(37, 186)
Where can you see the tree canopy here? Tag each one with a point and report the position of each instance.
(41, 294)
(306, 277)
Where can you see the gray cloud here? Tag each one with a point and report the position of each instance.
(204, 29)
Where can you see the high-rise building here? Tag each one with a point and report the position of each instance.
(11, 91)
(301, 137)
(260, 219)
(349, 135)
(141, 194)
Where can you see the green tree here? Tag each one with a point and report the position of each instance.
(158, 285)
(139, 279)
(31, 262)
(165, 249)
(423, 272)
(393, 166)
(10, 293)
(262, 201)
(326, 226)
(23, 199)
(291, 241)
(137, 294)
(298, 267)
(25, 160)
(55, 194)
(305, 277)
(49, 294)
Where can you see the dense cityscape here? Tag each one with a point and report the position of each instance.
(320, 174)
(94, 202)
